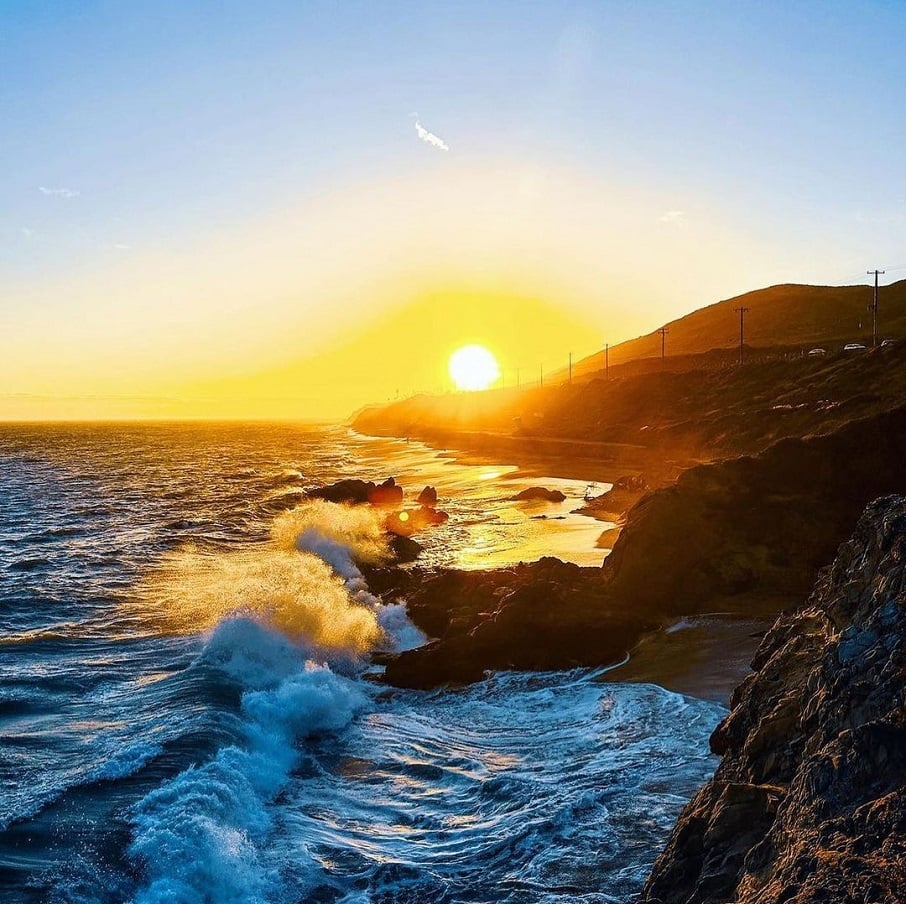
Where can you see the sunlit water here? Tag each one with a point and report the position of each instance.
(188, 714)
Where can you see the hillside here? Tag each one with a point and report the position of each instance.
(704, 414)
(785, 315)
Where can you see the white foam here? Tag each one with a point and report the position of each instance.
(196, 837)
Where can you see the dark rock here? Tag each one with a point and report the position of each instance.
(410, 521)
(541, 494)
(386, 493)
(545, 615)
(763, 525)
(428, 497)
(404, 549)
(353, 491)
(809, 802)
(633, 482)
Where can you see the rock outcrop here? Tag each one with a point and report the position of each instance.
(755, 526)
(544, 615)
(808, 803)
(539, 494)
(427, 497)
(353, 491)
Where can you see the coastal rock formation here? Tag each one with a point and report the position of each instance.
(755, 526)
(410, 521)
(386, 493)
(745, 535)
(427, 497)
(616, 502)
(358, 492)
(539, 494)
(808, 804)
(545, 615)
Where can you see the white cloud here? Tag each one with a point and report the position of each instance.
(676, 217)
(430, 137)
(59, 192)
(26, 232)
(119, 246)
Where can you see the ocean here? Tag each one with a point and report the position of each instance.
(189, 713)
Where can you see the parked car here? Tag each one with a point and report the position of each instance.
(853, 346)
(888, 342)
(815, 352)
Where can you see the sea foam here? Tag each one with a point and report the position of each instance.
(282, 614)
(196, 837)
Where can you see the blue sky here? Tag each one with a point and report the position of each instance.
(134, 128)
(170, 117)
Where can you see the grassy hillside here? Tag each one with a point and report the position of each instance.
(787, 315)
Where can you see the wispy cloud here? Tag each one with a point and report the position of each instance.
(58, 192)
(26, 232)
(119, 246)
(430, 137)
(676, 217)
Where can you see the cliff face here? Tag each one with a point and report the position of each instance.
(762, 525)
(809, 801)
(731, 536)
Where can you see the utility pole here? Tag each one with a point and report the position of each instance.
(542, 375)
(606, 360)
(663, 331)
(570, 368)
(742, 332)
(874, 308)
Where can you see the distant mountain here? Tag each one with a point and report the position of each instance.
(778, 316)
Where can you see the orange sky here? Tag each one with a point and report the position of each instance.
(363, 292)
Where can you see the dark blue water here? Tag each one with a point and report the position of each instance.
(188, 712)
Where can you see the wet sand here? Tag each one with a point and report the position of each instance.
(704, 656)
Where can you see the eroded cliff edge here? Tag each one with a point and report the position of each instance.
(808, 803)
(733, 536)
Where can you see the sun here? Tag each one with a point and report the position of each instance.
(473, 367)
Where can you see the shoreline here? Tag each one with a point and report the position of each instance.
(538, 456)
(691, 657)
(704, 656)
(535, 457)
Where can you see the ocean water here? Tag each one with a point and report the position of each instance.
(188, 711)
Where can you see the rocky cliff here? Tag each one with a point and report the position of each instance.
(809, 801)
(743, 535)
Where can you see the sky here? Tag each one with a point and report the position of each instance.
(290, 209)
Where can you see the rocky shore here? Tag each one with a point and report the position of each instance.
(745, 536)
(538, 616)
(808, 803)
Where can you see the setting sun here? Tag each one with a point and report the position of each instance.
(473, 367)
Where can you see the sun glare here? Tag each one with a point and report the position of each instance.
(473, 367)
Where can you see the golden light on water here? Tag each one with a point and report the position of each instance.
(473, 367)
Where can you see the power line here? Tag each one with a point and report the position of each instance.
(742, 326)
(874, 308)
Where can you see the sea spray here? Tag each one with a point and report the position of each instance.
(304, 582)
(195, 838)
(399, 632)
(358, 529)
